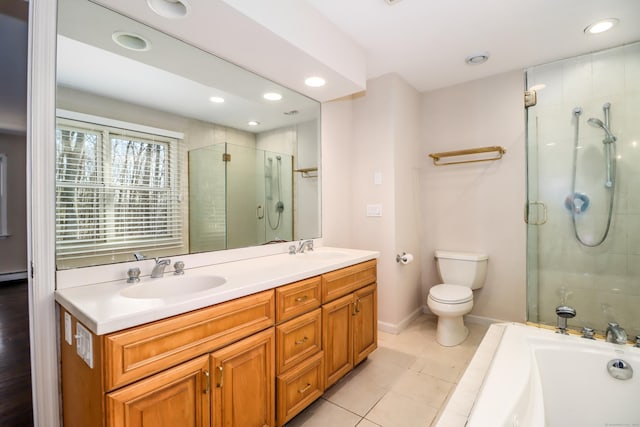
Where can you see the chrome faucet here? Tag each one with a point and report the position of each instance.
(158, 269)
(305, 244)
(564, 312)
(616, 334)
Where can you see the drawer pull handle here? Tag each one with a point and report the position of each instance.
(221, 372)
(305, 388)
(302, 341)
(207, 385)
(302, 298)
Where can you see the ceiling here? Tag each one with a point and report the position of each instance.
(426, 41)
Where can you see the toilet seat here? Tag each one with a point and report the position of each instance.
(450, 294)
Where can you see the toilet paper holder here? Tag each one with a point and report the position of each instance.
(402, 258)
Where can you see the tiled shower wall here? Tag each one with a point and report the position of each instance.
(602, 283)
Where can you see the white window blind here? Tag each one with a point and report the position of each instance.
(117, 191)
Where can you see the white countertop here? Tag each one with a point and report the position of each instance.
(103, 309)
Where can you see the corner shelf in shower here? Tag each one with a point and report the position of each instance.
(471, 155)
(308, 172)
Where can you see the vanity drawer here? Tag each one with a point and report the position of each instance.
(298, 339)
(344, 281)
(297, 298)
(143, 350)
(299, 387)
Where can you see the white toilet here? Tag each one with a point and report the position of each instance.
(461, 272)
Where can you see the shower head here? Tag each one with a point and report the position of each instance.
(597, 123)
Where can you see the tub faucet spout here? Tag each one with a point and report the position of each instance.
(616, 334)
(564, 312)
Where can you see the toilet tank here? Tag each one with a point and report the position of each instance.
(462, 268)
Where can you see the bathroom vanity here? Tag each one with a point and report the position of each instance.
(258, 355)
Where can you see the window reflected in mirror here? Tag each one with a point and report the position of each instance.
(171, 150)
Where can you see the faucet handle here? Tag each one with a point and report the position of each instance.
(179, 267)
(133, 275)
(637, 341)
(588, 333)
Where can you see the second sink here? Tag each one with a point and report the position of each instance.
(172, 286)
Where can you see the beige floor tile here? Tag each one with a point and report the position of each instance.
(367, 423)
(406, 382)
(396, 410)
(423, 388)
(322, 414)
(447, 369)
(356, 394)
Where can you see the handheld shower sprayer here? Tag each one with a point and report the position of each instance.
(597, 123)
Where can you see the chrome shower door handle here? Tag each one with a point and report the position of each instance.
(537, 204)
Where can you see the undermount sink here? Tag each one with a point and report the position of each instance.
(172, 286)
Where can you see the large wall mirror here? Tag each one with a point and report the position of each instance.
(164, 149)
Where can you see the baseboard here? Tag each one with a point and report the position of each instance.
(396, 328)
(472, 318)
(8, 277)
(481, 320)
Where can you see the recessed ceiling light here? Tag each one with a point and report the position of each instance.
(253, 123)
(131, 41)
(601, 26)
(216, 99)
(272, 96)
(172, 9)
(477, 58)
(315, 81)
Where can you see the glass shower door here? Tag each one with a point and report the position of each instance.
(583, 211)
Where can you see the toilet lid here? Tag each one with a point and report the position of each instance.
(451, 294)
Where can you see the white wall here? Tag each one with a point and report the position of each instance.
(13, 249)
(376, 133)
(478, 207)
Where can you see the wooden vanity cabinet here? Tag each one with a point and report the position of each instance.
(160, 372)
(178, 396)
(299, 356)
(255, 361)
(244, 382)
(349, 318)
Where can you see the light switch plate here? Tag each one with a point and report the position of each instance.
(84, 344)
(374, 210)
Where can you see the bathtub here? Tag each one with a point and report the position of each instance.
(539, 378)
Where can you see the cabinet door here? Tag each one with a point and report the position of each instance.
(337, 338)
(176, 397)
(365, 330)
(244, 382)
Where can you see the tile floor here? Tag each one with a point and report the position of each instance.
(404, 383)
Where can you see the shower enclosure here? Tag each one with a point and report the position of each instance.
(583, 178)
(239, 196)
